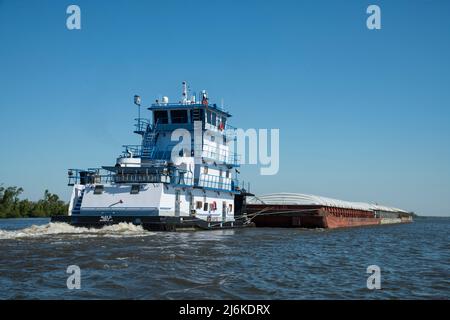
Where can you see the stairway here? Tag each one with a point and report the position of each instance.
(77, 207)
(149, 141)
(148, 144)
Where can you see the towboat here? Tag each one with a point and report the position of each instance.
(182, 176)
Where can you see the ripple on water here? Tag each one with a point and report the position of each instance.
(125, 261)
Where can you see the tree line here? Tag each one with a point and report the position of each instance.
(12, 207)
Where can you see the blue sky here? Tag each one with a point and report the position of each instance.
(363, 115)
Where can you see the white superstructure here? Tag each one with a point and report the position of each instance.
(183, 167)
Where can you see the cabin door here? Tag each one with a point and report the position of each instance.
(191, 203)
(177, 203)
(224, 211)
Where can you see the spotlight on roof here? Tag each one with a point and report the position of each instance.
(137, 100)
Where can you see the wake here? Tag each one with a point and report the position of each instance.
(52, 229)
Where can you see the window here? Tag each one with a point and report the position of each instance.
(230, 208)
(179, 116)
(205, 170)
(197, 115)
(98, 189)
(198, 205)
(208, 116)
(135, 188)
(228, 174)
(161, 117)
(214, 119)
(205, 207)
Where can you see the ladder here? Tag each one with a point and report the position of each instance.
(149, 141)
(77, 207)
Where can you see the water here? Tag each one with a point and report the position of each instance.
(126, 262)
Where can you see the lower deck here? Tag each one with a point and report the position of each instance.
(153, 223)
(152, 200)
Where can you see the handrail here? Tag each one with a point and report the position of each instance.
(224, 156)
(136, 149)
(94, 176)
(208, 152)
(141, 125)
(217, 182)
(90, 175)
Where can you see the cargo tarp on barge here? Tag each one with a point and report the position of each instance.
(309, 211)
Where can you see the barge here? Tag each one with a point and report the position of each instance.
(293, 210)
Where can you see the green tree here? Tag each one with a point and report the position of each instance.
(12, 207)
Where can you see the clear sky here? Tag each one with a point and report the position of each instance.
(363, 114)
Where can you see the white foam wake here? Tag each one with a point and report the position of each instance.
(117, 230)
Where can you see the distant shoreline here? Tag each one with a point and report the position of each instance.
(13, 207)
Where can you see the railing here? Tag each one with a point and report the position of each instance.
(146, 152)
(88, 176)
(134, 149)
(142, 125)
(217, 182)
(220, 155)
(139, 178)
(208, 152)
(177, 178)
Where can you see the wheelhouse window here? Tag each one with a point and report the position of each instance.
(198, 205)
(197, 115)
(179, 116)
(161, 117)
(135, 188)
(205, 207)
(214, 119)
(98, 189)
(208, 116)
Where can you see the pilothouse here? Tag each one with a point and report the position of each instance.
(183, 174)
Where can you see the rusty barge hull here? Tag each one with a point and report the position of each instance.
(286, 216)
(295, 210)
